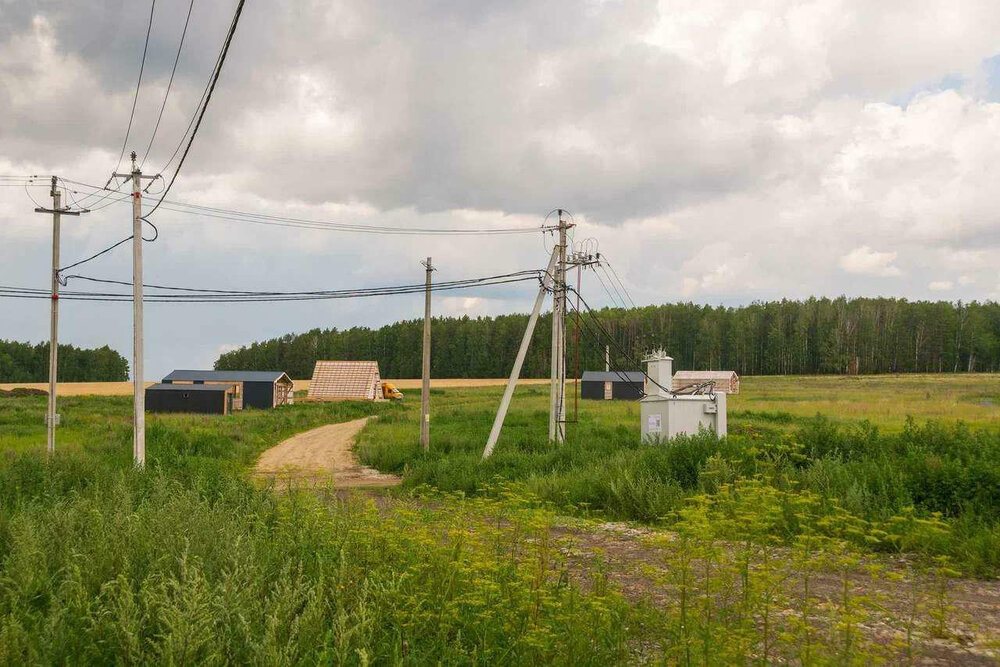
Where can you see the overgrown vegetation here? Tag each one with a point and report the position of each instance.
(768, 557)
(939, 471)
(24, 362)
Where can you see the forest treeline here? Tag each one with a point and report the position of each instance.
(831, 336)
(24, 362)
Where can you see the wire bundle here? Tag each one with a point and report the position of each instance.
(172, 294)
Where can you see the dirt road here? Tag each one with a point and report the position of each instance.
(320, 456)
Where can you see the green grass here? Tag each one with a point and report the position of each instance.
(189, 561)
(871, 457)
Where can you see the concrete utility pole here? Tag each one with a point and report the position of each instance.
(607, 358)
(138, 388)
(51, 416)
(522, 352)
(557, 391)
(425, 385)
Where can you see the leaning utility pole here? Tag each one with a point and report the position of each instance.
(557, 391)
(51, 416)
(425, 385)
(138, 388)
(522, 352)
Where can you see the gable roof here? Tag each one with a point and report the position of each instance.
(704, 375)
(632, 377)
(225, 376)
(346, 380)
(191, 387)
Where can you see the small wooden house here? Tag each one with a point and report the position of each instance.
(252, 389)
(346, 381)
(727, 382)
(612, 385)
(210, 399)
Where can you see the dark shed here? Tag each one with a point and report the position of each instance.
(254, 389)
(608, 385)
(213, 399)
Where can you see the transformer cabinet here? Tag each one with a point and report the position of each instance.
(665, 415)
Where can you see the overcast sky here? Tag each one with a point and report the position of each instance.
(721, 151)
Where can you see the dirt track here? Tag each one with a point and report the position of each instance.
(320, 456)
(125, 388)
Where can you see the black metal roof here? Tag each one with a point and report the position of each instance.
(632, 377)
(225, 376)
(191, 387)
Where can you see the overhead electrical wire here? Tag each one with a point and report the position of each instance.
(233, 215)
(200, 295)
(614, 341)
(204, 107)
(200, 115)
(170, 82)
(138, 85)
(620, 283)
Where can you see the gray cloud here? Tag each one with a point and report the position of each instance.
(721, 151)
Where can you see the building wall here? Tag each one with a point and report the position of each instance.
(258, 394)
(625, 391)
(172, 400)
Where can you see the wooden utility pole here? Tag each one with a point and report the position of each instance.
(51, 416)
(557, 390)
(522, 352)
(425, 385)
(138, 388)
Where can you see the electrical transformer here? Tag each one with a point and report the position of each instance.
(665, 414)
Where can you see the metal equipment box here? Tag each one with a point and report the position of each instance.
(665, 415)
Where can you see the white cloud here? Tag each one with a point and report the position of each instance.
(940, 285)
(865, 261)
(724, 150)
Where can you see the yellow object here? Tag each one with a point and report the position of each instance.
(389, 391)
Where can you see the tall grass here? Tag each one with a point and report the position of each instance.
(936, 467)
(188, 561)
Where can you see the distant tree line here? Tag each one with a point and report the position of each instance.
(24, 362)
(833, 336)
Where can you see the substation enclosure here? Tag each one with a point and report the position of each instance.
(665, 415)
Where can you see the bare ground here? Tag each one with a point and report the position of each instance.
(636, 568)
(321, 456)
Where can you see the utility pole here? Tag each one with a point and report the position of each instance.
(425, 386)
(522, 352)
(138, 388)
(557, 391)
(51, 416)
(607, 358)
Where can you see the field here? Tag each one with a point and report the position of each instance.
(845, 520)
(125, 388)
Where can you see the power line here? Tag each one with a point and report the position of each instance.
(170, 82)
(233, 215)
(204, 106)
(632, 301)
(138, 85)
(200, 295)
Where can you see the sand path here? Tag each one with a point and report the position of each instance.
(320, 456)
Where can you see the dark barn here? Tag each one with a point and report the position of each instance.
(253, 389)
(211, 399)
(611, 385)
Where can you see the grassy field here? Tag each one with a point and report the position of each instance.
(780, 539)
(880, 448)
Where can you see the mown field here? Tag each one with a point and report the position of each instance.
(776, 544)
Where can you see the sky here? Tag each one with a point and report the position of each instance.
(719, 151)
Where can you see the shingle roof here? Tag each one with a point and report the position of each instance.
(191, 387)
(633, 377)
(224, 376)
(346, 380)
